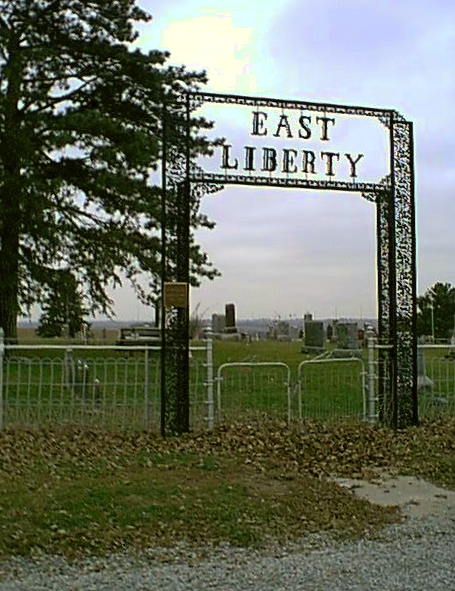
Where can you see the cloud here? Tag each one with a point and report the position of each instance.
(216, 43)
(362, 51)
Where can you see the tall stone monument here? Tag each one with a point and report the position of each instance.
(231, 326)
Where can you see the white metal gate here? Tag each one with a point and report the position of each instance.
(254, 388)
(332, 387)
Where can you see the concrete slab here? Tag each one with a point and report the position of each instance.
(416, 497)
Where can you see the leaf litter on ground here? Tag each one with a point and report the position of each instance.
(76, 492)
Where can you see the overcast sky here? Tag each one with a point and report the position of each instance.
(286, 252)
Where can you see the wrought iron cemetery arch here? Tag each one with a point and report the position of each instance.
(396, 257)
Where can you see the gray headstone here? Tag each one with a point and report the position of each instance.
(218, 323)
(314, 335)
(424, 383)
(293, 332)
(347, 335)
(283, 328)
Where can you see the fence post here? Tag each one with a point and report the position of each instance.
(147, 388)
(371, 376)
(2, 357)
(209, 383)
(69, 369)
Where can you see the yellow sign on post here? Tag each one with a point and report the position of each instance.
(176, 294)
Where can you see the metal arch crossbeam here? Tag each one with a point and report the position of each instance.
(201, 176)
(255, 101)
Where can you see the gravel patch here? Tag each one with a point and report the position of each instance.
(415, 555)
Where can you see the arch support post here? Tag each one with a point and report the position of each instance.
(397, 283)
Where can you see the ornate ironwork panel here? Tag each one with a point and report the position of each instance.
(384, 224)
(177, 409)
(199, 176)
(254, 101)
(406, 339)
(176, 206)
(396, 274)
(180, 201)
